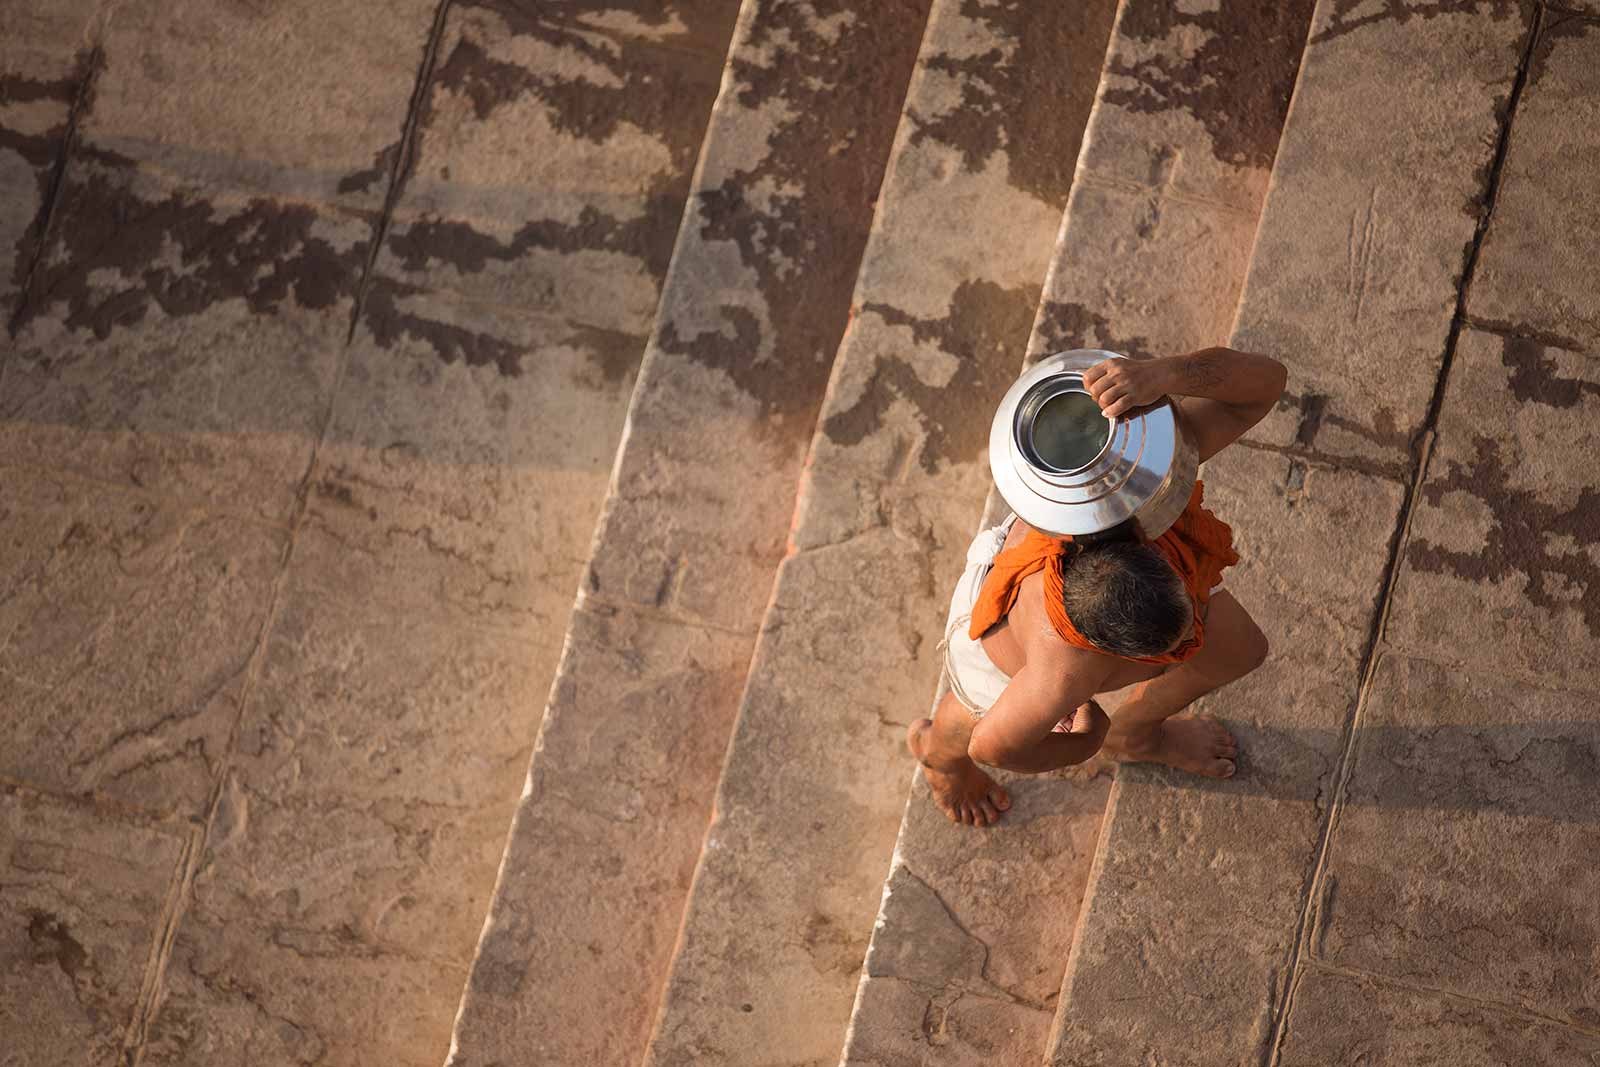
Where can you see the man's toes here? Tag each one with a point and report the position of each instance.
(1222, 768)
(990, 814)
(1000, 798)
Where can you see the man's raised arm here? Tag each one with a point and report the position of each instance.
(1223, 392)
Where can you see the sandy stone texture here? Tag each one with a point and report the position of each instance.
(181, 338)
(1362, 243)
(1199, 884)
(922, 1028)
(975, 927)
(293, 98)
(466, 487)
(1535, 274)
(237, 993)
(351, 859)
(85, 894)
(601, 839)
(127, 624)
(1460, 858)
(1340, 1018)
(553, 155)
(1504, 552)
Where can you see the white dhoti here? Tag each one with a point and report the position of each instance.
(974, 679)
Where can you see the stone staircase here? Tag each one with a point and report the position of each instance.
(834, 232)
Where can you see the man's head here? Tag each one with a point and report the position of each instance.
(1127, 599)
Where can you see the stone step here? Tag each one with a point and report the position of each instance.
(321, 369)
(816, 775)
(594, 873)
(975, 927)
(1195, 930)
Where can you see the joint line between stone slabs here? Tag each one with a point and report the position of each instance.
(155, 972)
(400, 170)
(1423, 446)
(91, 66)
(1422, 987)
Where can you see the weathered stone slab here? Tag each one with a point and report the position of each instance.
(181, 338)
(1175, 164)
(465, 485)
(376, 771)
(1191, 114)
(553, 156)
(815, 782)
(1460, 860)
(84, 898)
(1341, 1018)
(927, 1029)
(1363, 239)
(1197, 896)
(238, 994)
(1504, 553)
(1142, 273)
(351, 861)
(294, 98)
(127, 624)
(602, 836)
(555, 140)
(1536, 271)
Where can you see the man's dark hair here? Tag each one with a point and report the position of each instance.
(1126, 598)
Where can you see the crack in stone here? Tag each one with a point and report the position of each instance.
(403, 162)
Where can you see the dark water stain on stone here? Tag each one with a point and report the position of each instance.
(54, 943)
(1236, 83)
(179, 252)
(1065, 325)
(664, 86)
(1519, 539)
(426, 244)
(363, 180)
(1030, 95)
(824, 163)
(1534, 379)
(1345, 20)
(615, 353)
(451, 343)
(983, 330)
(1317, 411)
(44, 151)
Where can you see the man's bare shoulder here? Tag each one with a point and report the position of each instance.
(1057, 665)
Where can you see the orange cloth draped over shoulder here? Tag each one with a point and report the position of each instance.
(1198, 546)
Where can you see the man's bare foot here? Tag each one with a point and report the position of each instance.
(963, 791)
(1199, 745)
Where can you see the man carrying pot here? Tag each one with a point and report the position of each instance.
(1040, 625)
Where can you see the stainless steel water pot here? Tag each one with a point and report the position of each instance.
(1065, 468)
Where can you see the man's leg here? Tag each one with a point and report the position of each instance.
(1143, 729)
(962, 790)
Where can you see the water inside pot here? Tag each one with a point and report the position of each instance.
(1069, 430)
